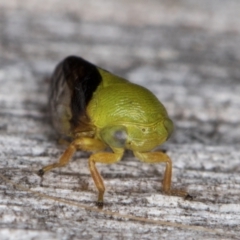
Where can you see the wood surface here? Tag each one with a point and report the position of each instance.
(188, 53)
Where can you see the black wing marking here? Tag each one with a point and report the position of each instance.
(82, 79)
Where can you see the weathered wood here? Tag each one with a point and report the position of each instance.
(187, 53)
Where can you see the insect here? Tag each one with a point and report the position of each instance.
(97, 109)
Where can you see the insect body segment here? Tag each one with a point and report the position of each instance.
(98, 110)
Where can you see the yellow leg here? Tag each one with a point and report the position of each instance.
(160, 157)
(63, 141)
(107, 158)
(85, 144)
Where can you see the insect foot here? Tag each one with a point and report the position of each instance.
(179, 193)
(99, 205)
(188, 197)
(40, 172)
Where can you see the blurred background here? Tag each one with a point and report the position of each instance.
(185, 51)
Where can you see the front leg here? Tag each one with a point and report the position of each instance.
(107, 158)
(160, 157)
(85, 144)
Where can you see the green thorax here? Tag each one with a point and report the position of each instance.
(117, 101)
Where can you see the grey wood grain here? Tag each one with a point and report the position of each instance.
(187, 53)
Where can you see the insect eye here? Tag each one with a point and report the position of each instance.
(121, 136)
(114, 136)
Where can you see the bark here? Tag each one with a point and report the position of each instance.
(187, 53)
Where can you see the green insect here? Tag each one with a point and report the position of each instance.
(97, 109)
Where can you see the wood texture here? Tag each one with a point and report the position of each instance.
(187, 53)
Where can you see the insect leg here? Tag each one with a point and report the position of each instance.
(85, 144)
(107, 158)
(159, 157)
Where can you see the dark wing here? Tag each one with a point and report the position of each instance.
(73, 83)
